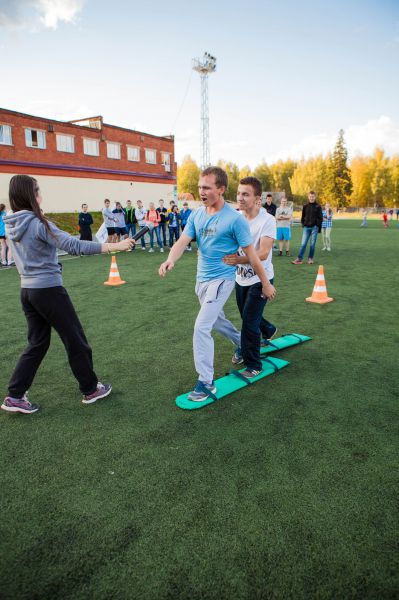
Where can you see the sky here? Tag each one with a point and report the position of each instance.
(289, 74)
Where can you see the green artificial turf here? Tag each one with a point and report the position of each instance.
(284, 490)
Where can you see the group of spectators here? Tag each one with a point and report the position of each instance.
(165, 224)
(314, 220)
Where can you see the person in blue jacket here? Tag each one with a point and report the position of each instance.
(173, 219)
(184, 214)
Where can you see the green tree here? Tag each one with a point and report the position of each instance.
(381, 181)
(263, 173)
(339, 182)
(361, 172)
(309, 175)
(233, 174)
(281, 172)
(187, 177)
(245, 172)
(394, 168)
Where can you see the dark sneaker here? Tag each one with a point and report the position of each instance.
(202, 391)
(21, 405)
(103, 390)
(296, 261)
(250, 373)
(237, 357)
(287, 253)
(264, 341)
(280, 253)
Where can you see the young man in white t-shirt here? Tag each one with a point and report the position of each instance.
(250, 300)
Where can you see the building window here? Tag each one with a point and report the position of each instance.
(5, 135)
(166, 160)
(90, 147)
(133, 153)
(113, 150)
(151, 157)
(35, 138)
(65, 143)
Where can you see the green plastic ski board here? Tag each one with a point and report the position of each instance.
(231, 383)
(285, 341)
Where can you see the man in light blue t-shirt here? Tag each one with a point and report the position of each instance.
(218, 230)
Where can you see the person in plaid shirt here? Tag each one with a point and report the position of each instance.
(326, 227)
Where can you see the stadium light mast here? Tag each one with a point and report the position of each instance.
(204, 67)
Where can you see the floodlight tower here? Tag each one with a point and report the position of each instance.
(204, 67)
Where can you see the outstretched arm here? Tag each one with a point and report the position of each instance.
(174, 255)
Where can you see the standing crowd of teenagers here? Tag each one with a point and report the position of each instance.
(124, 222)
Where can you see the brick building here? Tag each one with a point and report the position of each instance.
(85, 161)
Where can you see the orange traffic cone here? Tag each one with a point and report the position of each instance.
(319, 294)
(114, 277)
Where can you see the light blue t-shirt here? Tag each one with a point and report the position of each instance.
(217, 235)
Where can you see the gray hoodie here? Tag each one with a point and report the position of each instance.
(35, 249)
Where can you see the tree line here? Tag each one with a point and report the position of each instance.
(364, 181)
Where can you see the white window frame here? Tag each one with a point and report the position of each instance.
(150, 162)
(90, 139)
(168, 162)
(31, 145)
(138, 153)
(9, 137)
(115, 145)
(65, 136)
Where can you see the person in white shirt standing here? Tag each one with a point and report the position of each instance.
(140, 213)
(250, 300)
(284, 221)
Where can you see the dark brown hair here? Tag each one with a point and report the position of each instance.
(22, 194)
(2, 207)
(254, 183)
(221, 178)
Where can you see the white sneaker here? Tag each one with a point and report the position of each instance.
(10, 263)
(3, 263)
(143, 247)
(189, 249)
(161, 249)
(324, 248)
(151, 250)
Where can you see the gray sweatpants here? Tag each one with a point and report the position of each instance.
(212, 295)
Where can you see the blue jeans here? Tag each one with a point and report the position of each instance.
(308, 232)
(162, 227)
(131, 227)
(251, 304)
(142, 239)
(173, 232)
(158, 234)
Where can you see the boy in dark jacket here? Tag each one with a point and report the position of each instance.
(85, 222)
(312, 218)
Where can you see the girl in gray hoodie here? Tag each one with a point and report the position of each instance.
(34, 241)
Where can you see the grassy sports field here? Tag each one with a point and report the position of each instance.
(286, 490)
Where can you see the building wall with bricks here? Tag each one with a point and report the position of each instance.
(129, 165)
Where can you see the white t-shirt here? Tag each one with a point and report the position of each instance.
(264, 225)
(284, 212)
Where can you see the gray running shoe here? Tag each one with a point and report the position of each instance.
(103, 390)
(237, 357)
(202, 391)
(21, 405)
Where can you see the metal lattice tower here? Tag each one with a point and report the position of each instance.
(204, 67)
